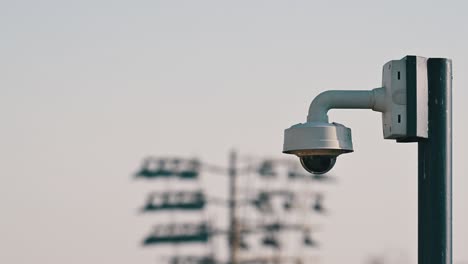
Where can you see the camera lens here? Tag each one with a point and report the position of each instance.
(318, 164)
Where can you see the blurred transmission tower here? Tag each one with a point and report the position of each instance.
(262, 214)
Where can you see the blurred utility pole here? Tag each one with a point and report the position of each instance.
(233, 225)
(239, 227)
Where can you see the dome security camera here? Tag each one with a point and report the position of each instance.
(402, 100)
(317, 144)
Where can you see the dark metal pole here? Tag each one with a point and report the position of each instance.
(233, 232)
(435, 169)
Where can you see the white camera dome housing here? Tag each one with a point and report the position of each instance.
(317, 144)
(317, 138)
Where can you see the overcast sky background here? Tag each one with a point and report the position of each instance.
(88, 88)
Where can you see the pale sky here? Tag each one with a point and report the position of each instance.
(88, 88)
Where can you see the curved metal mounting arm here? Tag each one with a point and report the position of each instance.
(372, 99)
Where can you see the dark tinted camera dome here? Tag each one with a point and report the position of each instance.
(318, 164)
